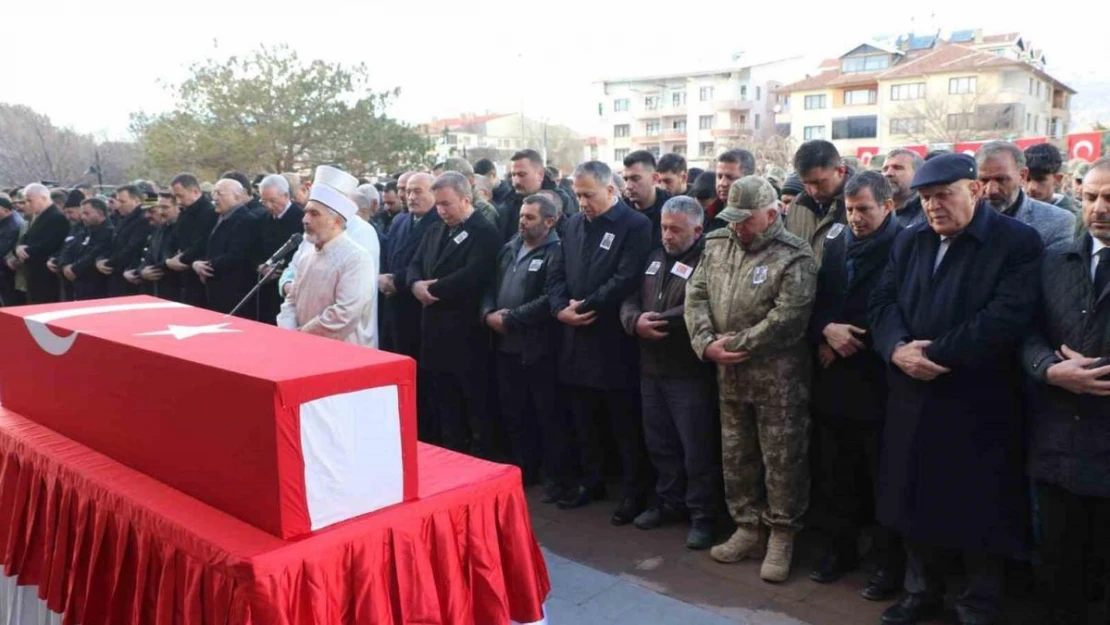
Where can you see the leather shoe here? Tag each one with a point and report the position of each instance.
(833, 565)
(700, 536)
(627, 511)
(552, 492)
(581, 496)
(658, 516)
(911, 609)
(883, 585)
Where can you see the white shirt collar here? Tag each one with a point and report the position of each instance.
(283, 211)
(1096, 245)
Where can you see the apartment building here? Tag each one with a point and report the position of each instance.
(697, 114)
(927, 91)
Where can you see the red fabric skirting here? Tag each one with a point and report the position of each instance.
(107, 545)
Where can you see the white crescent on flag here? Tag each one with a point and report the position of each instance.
(1080, 146)
(57, 345)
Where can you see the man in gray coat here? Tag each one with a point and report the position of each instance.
(1003, 173)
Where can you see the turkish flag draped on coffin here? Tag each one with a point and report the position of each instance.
(288, 432)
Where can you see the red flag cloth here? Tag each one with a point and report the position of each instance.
(107, 545)
(920, 150)
(969, 147)
(1085, 145)
(274, 426)
(1030, 142)
(866, 154)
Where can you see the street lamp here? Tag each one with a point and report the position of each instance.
(96, 169)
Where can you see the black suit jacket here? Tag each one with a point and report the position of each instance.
(229, 251)
(44, 238)
(272, 234)
(463, 266)
(127, 251)
(402, 310)
(603, 261)
(193, 227)
(95, 243)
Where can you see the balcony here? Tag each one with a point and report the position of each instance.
(674, 135)
(721, 133)
(673, 111)
(655, 113)
(732, 105)
(647, 139)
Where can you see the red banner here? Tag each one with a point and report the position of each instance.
(866, 154)
(920, 150)
(969, 147)
(1085, 145)
(1029, 142)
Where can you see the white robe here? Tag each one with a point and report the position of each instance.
(335, 294)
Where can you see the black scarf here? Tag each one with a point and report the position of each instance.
(860, 252)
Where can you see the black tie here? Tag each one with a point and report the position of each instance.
(1102, 272)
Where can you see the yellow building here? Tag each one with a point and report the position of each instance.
(927, 91)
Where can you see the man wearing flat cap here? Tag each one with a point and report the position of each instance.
(335, 291)
(747, 309)
(948, 316)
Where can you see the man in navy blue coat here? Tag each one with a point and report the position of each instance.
(948, 317)
(604, 253)
(227, 271)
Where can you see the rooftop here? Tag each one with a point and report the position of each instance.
(463, 121)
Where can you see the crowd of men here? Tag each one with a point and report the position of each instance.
(921, 351)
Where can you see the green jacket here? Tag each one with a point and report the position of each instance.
(761, 298)
(485, 209)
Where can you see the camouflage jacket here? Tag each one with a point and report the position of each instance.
(485, 209)
(761, 297)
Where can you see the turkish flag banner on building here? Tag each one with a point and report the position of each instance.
(971, 148)
(1029, 142)
(287, 431)
(920, 150)
(866, 154)
(1085, 145)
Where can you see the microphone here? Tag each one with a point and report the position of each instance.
(290, 245)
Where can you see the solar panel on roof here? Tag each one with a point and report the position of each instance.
(921, 43)
(960, 36)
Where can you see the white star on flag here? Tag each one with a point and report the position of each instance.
(183, 332)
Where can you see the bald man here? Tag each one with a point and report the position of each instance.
(227, 271)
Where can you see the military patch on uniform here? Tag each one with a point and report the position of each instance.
(535, 264)
(86, 241)
(69, 238)
(682, 270)
(759, 274)
(460, 237)
(653, 268)
(607, 240)
(835, 231)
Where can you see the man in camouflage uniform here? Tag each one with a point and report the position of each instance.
(747, 307)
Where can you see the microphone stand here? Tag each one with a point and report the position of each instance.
(266, 276)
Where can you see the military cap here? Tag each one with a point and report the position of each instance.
(945, 169)
(6, 203)
(776, 175)
(750, 193)
(1080, 169)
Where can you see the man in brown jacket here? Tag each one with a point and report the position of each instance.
(818, 214)
(678, 391)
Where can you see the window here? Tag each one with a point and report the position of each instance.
(860, 96)
(705, 148)
(678, 98)
(862, 127)
(679, 148)
(1039, 83)
(705, 94)
(959, 121)
(620, 105)
(621, 130)
(961, 85)
(815, 102)
(1030, 85)
(757, 121)
(1036, 123)
(813, 132)
(653, 102)
(705, 122)
(868, 63)
(655, 151)
(907, 126)
(759, 93)
(678, 125)
(912, 91)
(1029, 121)
(653, 128)
(619, 154)
(996, 117)
(782, 130)
(743, 92)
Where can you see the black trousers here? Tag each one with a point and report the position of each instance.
(848, 474)
(9, 296)
(193, 292)
(591, 409)
(269, 303)
(925, 576)
(458, 409)
(533, 416)
(1076, 535)
(682, 433)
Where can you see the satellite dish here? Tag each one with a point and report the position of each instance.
(776, 108)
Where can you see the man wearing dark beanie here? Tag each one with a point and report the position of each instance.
(791, 189)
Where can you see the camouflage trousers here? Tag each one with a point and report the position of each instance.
(764, 456)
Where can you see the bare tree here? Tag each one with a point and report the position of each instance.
(948, 119)
(767, 149)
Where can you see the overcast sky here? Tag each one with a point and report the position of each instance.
(89, 64)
